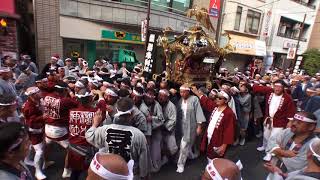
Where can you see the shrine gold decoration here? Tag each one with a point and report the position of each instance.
(184, 54)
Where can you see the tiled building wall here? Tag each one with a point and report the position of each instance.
(48, 40)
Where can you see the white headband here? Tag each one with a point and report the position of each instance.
(55, 58)
(87, 94)
(149, 95)
(136, 93)
(107, 84)
(213, 172)
(311, 90)
(94, 82)
(214, 91)
(111, 93)
(5, 70)
(8, 104)
(184, 88)
(225, 95)
(278, 84)
(60, 87)
(97, 168)
(165, 92)
(120, 113)
(31, 91)
(79, 84)
(140, 85)
(304, 119)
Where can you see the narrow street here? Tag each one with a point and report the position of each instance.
(249, 156)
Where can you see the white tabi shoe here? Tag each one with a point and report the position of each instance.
(261, 149)
(66, 173)
(242, 141)
(39, 175)
(180, 169)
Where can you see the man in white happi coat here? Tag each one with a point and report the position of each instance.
(121, 138)
(288, 150)
(310, 172)
(168, 131)
(190, 118)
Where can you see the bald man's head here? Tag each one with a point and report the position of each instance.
(313, 154)
(111, 162)
(226, 168)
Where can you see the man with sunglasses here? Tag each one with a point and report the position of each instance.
(288, 150)
(220, 131)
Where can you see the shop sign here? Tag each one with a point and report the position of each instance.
(291, 53)
(248, 46)
(214, 8)
(121, 36)
(289, 44)
(149, 54)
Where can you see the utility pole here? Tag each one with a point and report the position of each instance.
(147, 25)
(220, 21)
(299, 39)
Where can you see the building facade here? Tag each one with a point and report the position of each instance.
(286, 25)
(101, 28)
(267, 30)
(315, 35)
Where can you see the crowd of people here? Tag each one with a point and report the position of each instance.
(116, 123)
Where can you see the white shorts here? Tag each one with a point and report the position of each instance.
(55, 132)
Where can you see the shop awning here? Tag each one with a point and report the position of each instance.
(248, 46)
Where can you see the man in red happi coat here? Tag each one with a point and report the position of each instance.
(220, 131)
(80, 120)
(33, 118)
(279, 108)
(56, 105)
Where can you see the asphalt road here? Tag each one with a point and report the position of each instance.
(250, 158)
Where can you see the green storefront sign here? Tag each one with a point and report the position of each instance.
(121, 37)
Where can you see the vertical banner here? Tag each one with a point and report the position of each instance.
(214, 8)
(143, 30)
(268, 23)
(148, 62)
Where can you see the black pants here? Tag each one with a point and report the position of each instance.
(76, 174)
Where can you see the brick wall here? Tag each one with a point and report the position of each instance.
(48, 40)
(9, 42)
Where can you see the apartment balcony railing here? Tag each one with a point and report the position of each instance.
(291, 37)
(305, 4)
